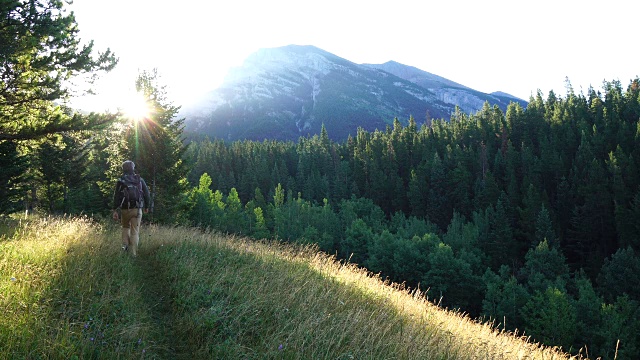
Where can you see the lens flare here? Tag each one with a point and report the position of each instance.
(136, 107)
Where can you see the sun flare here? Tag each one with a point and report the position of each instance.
(136, 107)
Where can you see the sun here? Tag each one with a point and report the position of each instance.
(135, 106)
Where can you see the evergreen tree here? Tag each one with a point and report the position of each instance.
(550, 318)
(504, 298)
(588, 315)
(201, 202)
(501, 245)
(51, 161)
(355, 245)
(234, 217)
(544, 228)
(277, 212)
(41, 51)
(460, 189)
(12, 188)
(452, 279)
(439, 209)
(417, 191)
(545, 267)
(62, 162)
(260, 231)
(155, 145)
(620, 275)
(620, 329)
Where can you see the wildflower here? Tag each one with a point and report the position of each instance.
(280, 347)
(92, 339)
(13, 279)
(86, 326)
(144, 351)
(139, 341)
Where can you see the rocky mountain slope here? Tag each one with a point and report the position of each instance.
(447, 91)
(287, 92)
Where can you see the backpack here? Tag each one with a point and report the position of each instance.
(131, 192)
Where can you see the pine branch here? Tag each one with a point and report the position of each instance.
(77, 122)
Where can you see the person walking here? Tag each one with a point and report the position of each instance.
(131, 196)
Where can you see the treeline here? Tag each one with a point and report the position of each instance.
(531, 218)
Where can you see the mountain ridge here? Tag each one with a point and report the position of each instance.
(291, 91)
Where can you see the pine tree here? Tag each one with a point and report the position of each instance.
(504, 298)
(502, 247)
(234, 217)
(260, 231)
(620, 275)
(417, 184)
(41, 50)
(544, 228)
(13, 167)
(588, 310)
(155, 145)
(356, 242)
(201, 201)
(51, 160)
(545, 267)
(550, 317)
(439, 209)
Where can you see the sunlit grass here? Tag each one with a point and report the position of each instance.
(66, 291)
(69, 292)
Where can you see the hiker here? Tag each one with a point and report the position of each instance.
(131, 196)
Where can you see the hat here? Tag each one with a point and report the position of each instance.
(128, 166)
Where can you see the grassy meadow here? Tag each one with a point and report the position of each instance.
(69, 292)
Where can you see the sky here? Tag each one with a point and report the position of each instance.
(517, 47)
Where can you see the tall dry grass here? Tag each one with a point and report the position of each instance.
(192, 294)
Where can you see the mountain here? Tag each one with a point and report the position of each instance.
(287, 92)
(447, 91)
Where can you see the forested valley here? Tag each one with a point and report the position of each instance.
(530, 218)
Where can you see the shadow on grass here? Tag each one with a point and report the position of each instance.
(234, 304)
(91, 305)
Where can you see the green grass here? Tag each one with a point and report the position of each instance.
(68, 292)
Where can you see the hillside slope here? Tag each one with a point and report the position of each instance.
(291, 91)
(69, 292)
(447, 91)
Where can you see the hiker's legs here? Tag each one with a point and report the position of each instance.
(127, 231)
(134, 225)
(125, 238)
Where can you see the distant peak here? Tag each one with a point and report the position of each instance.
(295, 48)
(504, 94)
(392, 62)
